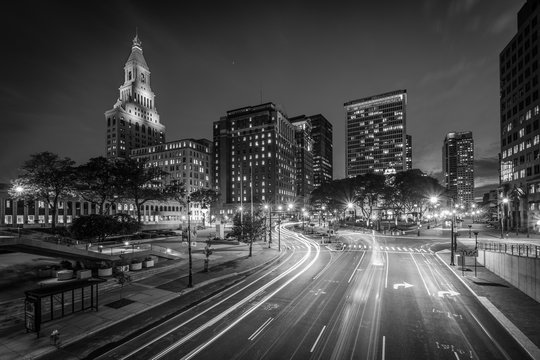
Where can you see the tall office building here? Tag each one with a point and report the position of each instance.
(458, 167)
(376, 135)
(520, 116)
(254, 145)
(133, 121)
(321, 133)
(303, 159)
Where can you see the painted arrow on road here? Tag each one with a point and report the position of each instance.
(405, 285)
(449, 293)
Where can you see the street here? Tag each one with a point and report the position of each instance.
(377, 298)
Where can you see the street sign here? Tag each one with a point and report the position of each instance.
(473, 252)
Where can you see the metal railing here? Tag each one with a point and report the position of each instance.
(525, 250)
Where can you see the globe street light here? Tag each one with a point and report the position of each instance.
(504, 201)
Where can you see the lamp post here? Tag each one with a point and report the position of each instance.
(279, 233)
(266, 208)
(503, 202)
(190, 278)
(470, 226)
(475, 250)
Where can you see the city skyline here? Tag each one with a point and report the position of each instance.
(204, 62)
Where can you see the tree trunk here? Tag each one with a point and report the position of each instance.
(54, 211)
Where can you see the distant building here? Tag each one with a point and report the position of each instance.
(186, 160)
(458, 167)
(133, 121)
(255, 150)
(520, 117)
(303, 159)
(323, 163)
(377, 135)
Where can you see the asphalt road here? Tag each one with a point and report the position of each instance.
(377, 298)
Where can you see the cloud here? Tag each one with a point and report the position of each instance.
(502, 23)
(459, 7)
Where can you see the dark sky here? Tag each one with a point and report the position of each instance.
(63, 63)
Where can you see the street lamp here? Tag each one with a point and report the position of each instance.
(270, 223)
(190, 278)
(475, 250)
(504, 201)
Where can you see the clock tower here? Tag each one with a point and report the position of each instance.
(133, 121)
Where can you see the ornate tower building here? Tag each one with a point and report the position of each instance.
(133, 121)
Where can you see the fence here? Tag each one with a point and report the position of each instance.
(525, 250)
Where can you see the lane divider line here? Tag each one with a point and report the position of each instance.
(318, 338)
(421, 276)
(356, 268)
(383, 347)
(260, 329)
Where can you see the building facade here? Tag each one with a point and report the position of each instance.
(323, 163)
(31, 214)
(376, 134)
(133, 121)
(303, 159)
(254, 152)
(458, 167)
(188, 161)
(520, 117)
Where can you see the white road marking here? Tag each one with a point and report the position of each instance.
(393, 248)
(356, 268)
(421, 276)
(383, 347)
(260, 329)
(318, 337)
(386, 277)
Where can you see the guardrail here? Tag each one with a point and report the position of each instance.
(525, 250)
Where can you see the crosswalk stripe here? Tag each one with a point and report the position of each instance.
(393, 248)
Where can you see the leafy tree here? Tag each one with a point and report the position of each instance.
(45, 176)
(246, 227)
(205, 197)
(101, 226)
(368, 190)
(412, 190)
(176, 190)
(98, 182)
(141, 184)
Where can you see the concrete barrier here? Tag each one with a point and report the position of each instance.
(522, 272)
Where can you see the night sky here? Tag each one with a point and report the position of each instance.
(63, 62)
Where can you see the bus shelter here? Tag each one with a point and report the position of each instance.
(53, 302)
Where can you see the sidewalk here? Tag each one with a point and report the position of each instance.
(518, 313)
(165, 293)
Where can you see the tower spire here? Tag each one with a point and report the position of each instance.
(136, 41)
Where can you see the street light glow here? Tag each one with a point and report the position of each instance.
(433, 199)
(505, 200)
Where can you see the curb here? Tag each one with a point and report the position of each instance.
(39, 353)
(513, 330)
